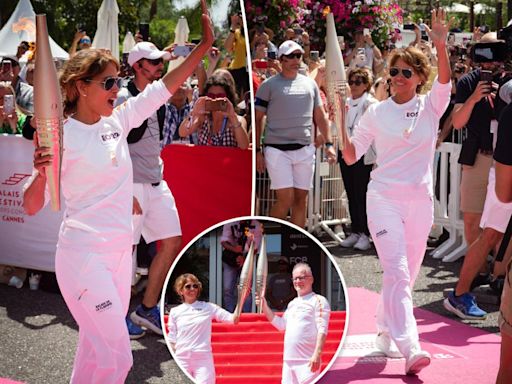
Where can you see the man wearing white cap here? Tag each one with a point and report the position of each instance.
(291, 103)
(155, 214)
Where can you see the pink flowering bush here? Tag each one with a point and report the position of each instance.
(278, 15)
(379, 16)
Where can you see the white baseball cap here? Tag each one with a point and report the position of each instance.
(146, 50)
(288, 47)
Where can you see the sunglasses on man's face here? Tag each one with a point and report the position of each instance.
(407, 73)
(191, 286)
(109, 82)
(155, 62)
(293, 56)
(356, 82)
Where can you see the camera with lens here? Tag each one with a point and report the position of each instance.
(489, 52)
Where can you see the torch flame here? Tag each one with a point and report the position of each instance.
(25, 24)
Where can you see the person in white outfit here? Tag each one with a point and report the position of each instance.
(93, 260)
(190, 329)
(400, 210)
(305, 323)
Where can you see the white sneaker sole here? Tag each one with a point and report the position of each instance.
(418, 365)
(142, 322)
(450, 308)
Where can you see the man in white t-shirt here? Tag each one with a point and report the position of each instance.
(305, 323)
(291, 103)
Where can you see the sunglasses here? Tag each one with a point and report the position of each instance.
(190, 286)
(215, 95)
(356, 82)
(85, 41)
(155, 62)
(293, 56)
(407, 73)
(109, 82)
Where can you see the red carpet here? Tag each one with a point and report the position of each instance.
(460, 354)
(251, 352)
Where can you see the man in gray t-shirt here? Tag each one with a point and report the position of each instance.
(155, 214)
(291, 103)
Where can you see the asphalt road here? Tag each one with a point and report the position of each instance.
(38, 336)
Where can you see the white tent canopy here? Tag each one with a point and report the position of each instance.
(22, 26)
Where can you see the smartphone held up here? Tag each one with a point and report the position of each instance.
(8, 104)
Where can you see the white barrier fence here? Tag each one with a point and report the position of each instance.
(328, 208)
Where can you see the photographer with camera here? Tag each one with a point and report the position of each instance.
(475, 109)
(214, 117)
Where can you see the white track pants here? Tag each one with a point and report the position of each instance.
(297, 372)
(96, 288)
(399, 229)
(199, 365)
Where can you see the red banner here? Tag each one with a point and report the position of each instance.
(210, 184)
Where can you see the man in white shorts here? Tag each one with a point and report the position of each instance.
(494, 222)
(291, 103)
(155, 214)
(305, 323)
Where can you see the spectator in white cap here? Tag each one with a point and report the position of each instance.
(291, 103)
(155, 214)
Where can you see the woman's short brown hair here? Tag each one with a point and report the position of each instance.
(363, 73)
(223, 78)
(84, 65)
(416, 59)
(181, 280)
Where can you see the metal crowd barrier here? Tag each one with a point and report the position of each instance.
(447, 208)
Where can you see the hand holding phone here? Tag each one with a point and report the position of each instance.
(213, 105)
(8, 104)
(182, 50)
(366, 32)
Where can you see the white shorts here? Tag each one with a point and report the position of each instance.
(291, 169)
(159, 219)
(297, 372)
(496, 214)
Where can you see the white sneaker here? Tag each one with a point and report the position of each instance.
(387, 346)
(350, 241)
(363, 243)
(416, 361)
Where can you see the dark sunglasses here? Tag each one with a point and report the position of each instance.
(356, 82)
(293, 56)
(407, 73)
(190, 286)
(109, 82)
(155, 62)
(215, 95)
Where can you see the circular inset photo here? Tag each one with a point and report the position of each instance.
(254, 300)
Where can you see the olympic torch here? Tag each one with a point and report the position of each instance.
(245, 283)
(48, 109)
(336, 78)
(261, 273)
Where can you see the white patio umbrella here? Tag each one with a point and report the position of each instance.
(107, 33)
(458, 8)
(181, 33)
(483, 9)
